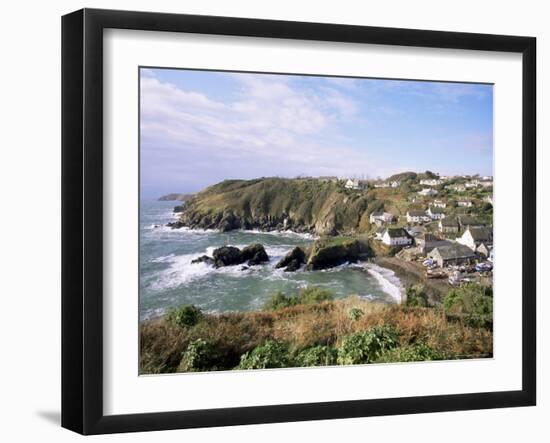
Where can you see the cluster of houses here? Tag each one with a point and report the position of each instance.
(459, 240)
(484, 182)
(390, 184)
(355, 183)
(474, 243)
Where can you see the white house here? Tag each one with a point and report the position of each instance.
(392, 184)
(352, 183)
(474, 237)
(396, 237)
(439, 204)
(464, 203)
(428, 191)
(417, 216)
(431, 182)
(457, 188)
(435, 213)
(381, 217)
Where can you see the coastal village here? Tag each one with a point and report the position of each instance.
(440, 225)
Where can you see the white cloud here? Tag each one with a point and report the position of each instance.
(270, 122)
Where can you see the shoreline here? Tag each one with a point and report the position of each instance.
(412, 274)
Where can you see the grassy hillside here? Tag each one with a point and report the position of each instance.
(306, 205)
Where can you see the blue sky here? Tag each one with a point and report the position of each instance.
(200, 127)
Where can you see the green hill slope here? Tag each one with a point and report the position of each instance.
(302, 205)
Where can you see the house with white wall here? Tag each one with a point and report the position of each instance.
(380, 218)
(417, 216)
(474, 237)
(396, 237)
(435, 213)
(428, 192)
(431, 182)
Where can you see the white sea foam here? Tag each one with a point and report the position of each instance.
(286, 233)
(181, 270)
(389, 282)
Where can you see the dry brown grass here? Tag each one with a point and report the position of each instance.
(327, 323)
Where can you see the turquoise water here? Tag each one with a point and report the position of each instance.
(167, 277)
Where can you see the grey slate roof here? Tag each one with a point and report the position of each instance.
(417, 213)
(481, 234)
(397, 232)
(449, 221)
(466, 220)
(453, 251)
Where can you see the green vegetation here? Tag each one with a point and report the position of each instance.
(355, 313)
(418, 352)
(271, 354)
(313, 333)
(276, 203)
(199, 356)
(185, 315)
(472, 303)
(316, 356)
(309, 295)
(367, 346)
(417, 296)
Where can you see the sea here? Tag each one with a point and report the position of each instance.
(169, 279)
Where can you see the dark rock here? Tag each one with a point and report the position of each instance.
(255, 254)
(179, 208)
(203, 259)
(329, 254)
(297, 254)
(227, 256)
(244, 268)
(293, 266)
(228, 222)
(175, 225)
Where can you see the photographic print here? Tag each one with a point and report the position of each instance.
(303, 220)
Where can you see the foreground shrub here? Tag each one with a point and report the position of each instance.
(316, 356)
(199, 356)
(306, 296)
(471, 303)
(271, 354)
(416, 296)
(314, 294)
(355, 314)
(185, 315)
(367, 346)
(419, 352)
(279, 300)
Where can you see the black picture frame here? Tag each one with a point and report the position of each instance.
(82, 218)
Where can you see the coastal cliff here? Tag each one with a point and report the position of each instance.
(300, 205)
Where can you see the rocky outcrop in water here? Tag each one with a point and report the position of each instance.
(203, 259)
(292, 261)
(253, 254)
(327, 254)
